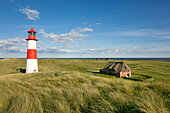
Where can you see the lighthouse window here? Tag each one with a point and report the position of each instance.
(34, 34)
(29, 33)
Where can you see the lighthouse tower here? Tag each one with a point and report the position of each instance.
(32, 65)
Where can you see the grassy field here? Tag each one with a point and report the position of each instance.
(71, 85)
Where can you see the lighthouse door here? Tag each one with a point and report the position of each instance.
(34, 70)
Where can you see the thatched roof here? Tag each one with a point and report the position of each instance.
(116, 67)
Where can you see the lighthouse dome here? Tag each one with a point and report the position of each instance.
(32, 30)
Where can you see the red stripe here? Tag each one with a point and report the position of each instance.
(30, 37)
(31, 54)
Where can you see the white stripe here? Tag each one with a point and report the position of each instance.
(31, 44)
(31, 66)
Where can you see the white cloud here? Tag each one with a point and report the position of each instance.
(106, 51)
(16, 49)
(67, 37)
(113, 51)
(68, 46)
(31, 14)
(46, 49)
(12, 42)
(98, 23)
(86, 29)
(10, 45)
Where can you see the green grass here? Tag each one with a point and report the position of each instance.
(76, 86)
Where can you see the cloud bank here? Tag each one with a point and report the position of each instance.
(18, 45)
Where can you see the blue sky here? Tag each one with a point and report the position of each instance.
(86, 28)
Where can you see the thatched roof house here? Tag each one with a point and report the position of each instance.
(119, 69)
(107, 58)
(97, 58)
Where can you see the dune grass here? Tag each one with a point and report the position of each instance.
(66, 86)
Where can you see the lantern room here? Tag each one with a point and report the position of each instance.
(32, 35)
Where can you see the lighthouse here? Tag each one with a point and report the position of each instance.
(31, 65)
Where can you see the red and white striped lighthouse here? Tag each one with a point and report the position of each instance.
(32, 65)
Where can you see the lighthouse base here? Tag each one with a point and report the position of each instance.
(32, 66)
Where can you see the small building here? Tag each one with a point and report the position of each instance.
(97, 58)
(107, 58)
(118, 69)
